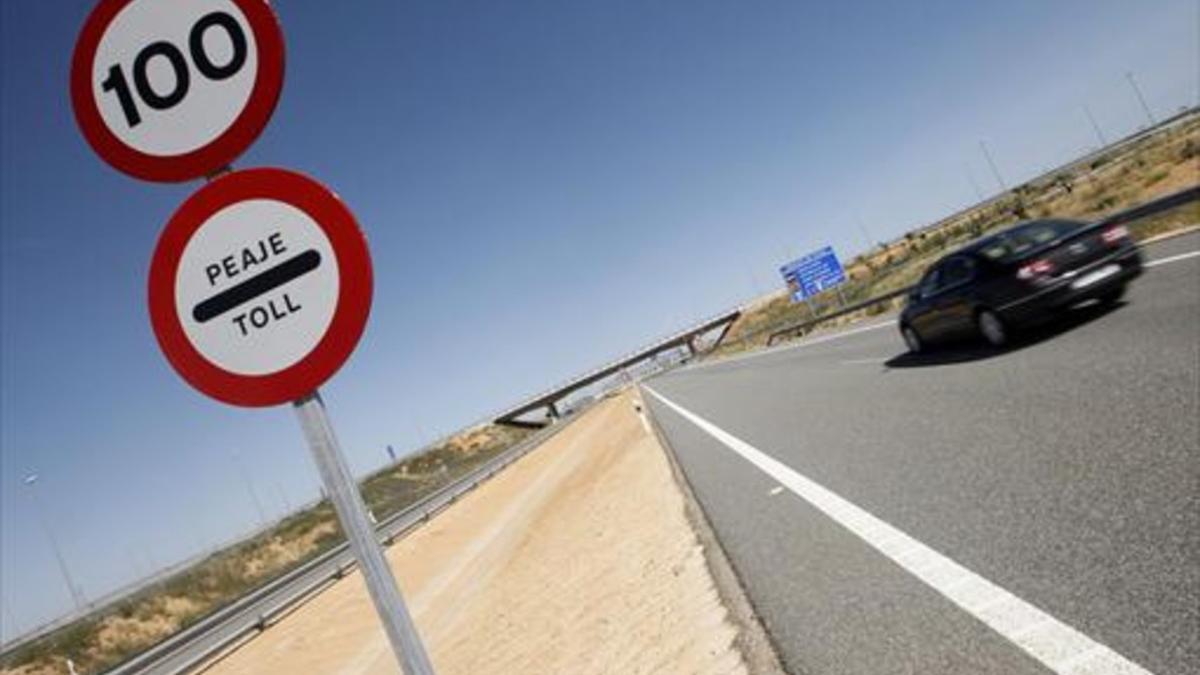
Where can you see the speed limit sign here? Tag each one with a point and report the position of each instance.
(261, 283)
(170, 90)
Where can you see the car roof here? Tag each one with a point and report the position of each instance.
(973, 247)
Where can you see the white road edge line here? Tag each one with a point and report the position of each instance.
(1059, 647)
(1172, 258)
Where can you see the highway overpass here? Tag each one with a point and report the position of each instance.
(551, 399)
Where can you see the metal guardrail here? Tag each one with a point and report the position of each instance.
(1154, 206)
(1150, 208)
(805, 326)
(254, 612)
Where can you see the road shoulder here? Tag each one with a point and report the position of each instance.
(753, 640)
(579, 558)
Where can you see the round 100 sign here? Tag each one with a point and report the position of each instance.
(169, 90)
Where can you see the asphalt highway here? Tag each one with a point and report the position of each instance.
(1027, 510)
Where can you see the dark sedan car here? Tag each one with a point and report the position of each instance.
(1017, 277)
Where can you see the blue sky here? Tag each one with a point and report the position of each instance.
(544, 185)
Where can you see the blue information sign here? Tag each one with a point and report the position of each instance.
(816, 272)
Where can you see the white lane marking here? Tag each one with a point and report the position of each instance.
(1189, 229)
(775, 490)
(1172, 258)
(1059, 647)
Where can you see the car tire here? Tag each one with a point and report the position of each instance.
(1113, 296)
(991, 327)
(912, 339)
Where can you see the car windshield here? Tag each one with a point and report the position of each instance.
(1021, 240)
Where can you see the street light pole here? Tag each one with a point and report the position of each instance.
(865, 232)
(262, 514)
(1141, 99)
(76, 593)
(10, 617)
(1095, 127)
(975, 184)
(287, 503)
(995, 172)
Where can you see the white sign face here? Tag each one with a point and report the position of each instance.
(256, 287)
(260, 287)
(170, 77)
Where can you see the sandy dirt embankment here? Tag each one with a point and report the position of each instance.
(578, 559)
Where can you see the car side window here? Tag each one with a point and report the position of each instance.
(930, 283)
(957, 271)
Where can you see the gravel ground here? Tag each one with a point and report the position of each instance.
(578, 559)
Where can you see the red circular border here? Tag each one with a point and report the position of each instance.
(203, 161)
(354, 287)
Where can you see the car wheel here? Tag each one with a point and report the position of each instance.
(992, 328)
(912, 339)
(1114, 296)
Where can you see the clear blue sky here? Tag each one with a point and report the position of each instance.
(544, 185)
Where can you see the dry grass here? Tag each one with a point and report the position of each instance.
(119, 631)
(1160, 164)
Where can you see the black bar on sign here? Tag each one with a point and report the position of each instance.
(263, 282)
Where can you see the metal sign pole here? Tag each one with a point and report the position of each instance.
(352, 513)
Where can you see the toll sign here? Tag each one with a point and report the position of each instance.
(260, 287)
